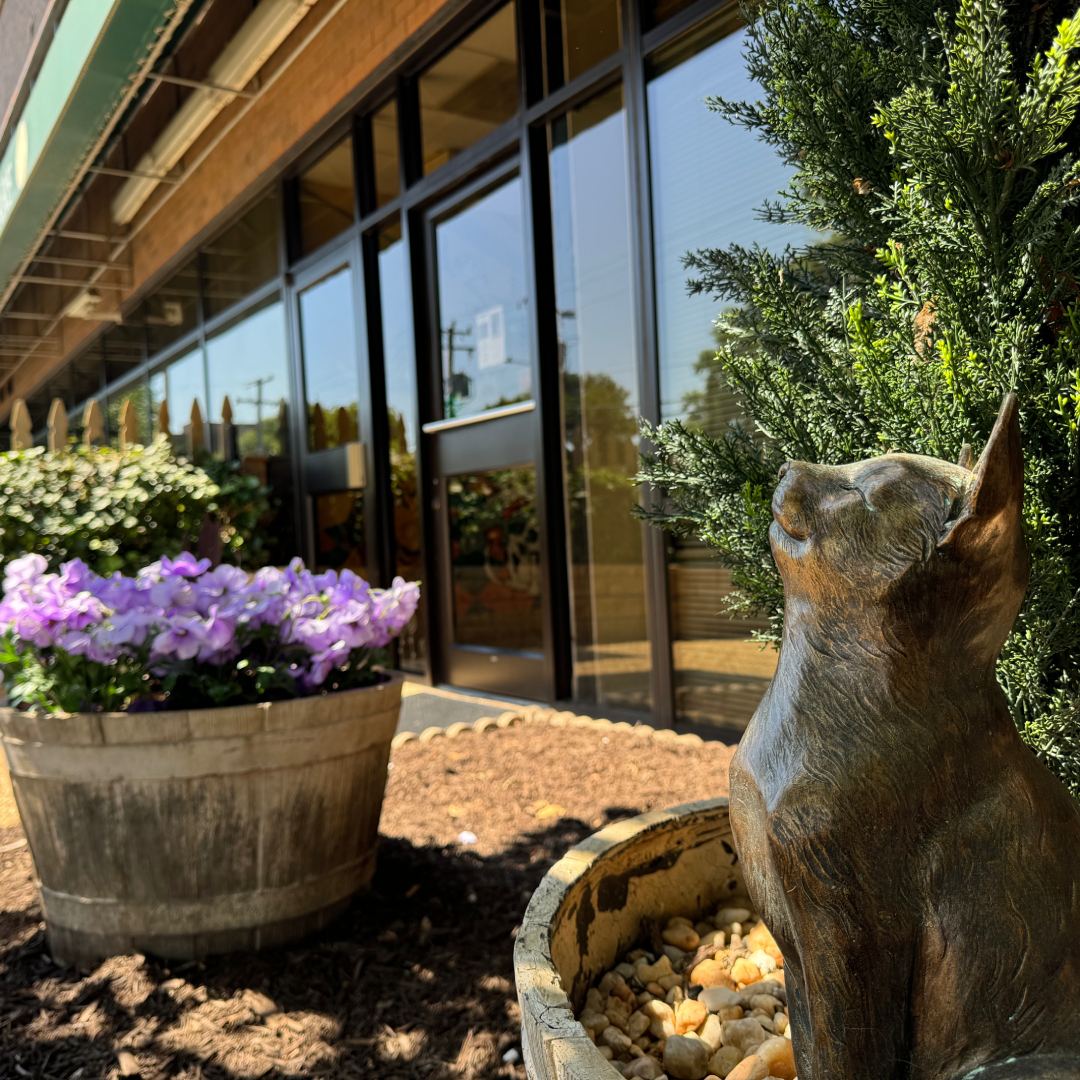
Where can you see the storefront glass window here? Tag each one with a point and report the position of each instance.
(576, 35)
(327, 197)
(248, 362)
(708, 179)
(244, 256)
(340, 540)
(384, 146)
(173, 309)
(471, 91)
(123, 347)
(138, 393)
(180, 384)
(399, 363)
(328, 352)
(495, 558)
(484, 303)
(598, 359)
(656, 11)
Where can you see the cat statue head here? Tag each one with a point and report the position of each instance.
(928, 552)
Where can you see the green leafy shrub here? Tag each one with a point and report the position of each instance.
(121, 509)
(934, 153)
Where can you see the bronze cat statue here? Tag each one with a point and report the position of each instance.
(917, 864)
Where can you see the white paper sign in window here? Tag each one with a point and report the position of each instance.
(490, 338)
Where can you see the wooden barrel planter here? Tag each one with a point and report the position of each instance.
(590, 909)
(188, 833)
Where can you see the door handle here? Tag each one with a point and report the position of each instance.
(434, 427)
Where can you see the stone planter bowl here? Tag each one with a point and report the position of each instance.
(589, 910)
(186, 833)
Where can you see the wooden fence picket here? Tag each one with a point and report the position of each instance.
(222, 437)
(57, 425)
(129, 425)
(93, 423)
(195, 438)
(22, 433)
(226, 432)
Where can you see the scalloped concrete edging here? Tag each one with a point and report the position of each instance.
(589, 909)
(540, 715)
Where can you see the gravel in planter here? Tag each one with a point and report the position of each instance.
(698, 999)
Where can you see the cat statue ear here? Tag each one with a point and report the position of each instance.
(995, 493)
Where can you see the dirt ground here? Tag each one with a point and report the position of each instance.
(414, 980)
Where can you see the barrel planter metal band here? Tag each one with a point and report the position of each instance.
(193, 832)
(591, 907)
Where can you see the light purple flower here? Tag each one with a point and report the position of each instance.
(24, 571)
(179, 614)
(184, 565)
(182, 638)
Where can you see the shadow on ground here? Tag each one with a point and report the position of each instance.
(413, 980)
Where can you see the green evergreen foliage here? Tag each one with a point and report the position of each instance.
(933, 148)
(121, 509)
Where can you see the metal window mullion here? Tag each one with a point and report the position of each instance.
(418, 236)
(658, 617)
(378, 438)
(556, 564)
(678, 24)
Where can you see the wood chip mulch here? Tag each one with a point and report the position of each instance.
(415, 980)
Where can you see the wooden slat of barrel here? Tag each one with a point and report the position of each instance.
(189, 833)
(590, 909)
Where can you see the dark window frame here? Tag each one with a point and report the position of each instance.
(523, 140)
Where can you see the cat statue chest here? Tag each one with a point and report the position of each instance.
(918, 866)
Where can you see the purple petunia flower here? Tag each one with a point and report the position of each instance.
(180, 616)
(182, 638)
(184, 565)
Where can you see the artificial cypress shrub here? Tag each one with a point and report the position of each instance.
(932, 148)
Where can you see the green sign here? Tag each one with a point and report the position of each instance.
(96, 52)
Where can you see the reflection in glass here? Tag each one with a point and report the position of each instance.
(244, 256)
(719, 674)
(123, 348)
(340, 543)
(179, 385)
(577, 34)
(138, 393)
(173, 308)
(594, 308)
(328, 349)
(483, 304)
(403, 415)
(384, 144)
(495, 558)
(470, 91)
(326, 194)
(248, 362)
(656, 11)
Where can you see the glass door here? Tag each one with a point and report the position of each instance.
(335, 425)
(483, 445)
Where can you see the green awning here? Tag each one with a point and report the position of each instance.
(97, 50)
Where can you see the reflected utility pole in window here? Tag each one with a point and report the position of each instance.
(458, 385)
(259, 401)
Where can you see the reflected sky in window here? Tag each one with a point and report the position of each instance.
(709, 180)
(248, 362)
(484, 304)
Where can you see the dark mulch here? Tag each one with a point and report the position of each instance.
(414, 980)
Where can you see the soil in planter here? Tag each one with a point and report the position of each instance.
(414, 980)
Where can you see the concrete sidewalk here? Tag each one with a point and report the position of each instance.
(431, 706)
